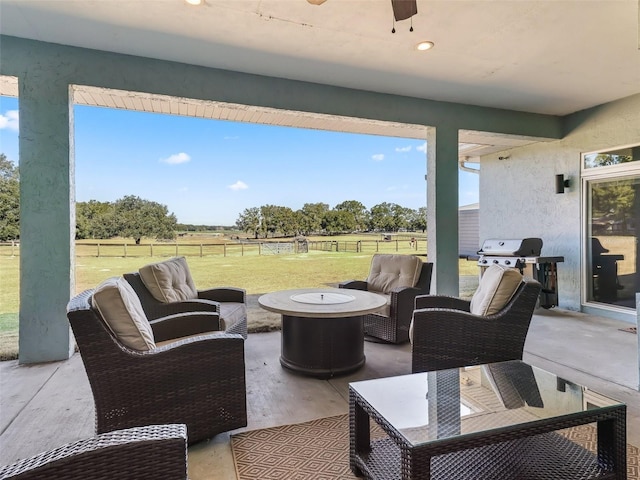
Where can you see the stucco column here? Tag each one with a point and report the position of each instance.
(46, 217)
(442, 208)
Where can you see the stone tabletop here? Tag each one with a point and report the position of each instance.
(322, 302)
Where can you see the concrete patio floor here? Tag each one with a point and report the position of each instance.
(46, 405)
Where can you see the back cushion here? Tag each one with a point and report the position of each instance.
(389, 272)
(122, 311)
(169, 281)
(497, 286)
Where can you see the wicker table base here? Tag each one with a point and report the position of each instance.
(322, 347)
(532, 458)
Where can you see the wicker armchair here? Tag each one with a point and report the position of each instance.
(198, 380)
(228, 302)
(154, 452)
(400, 278)
(446, 335)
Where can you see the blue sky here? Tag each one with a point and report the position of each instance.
(210, 171)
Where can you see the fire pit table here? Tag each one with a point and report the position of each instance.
(322, 329)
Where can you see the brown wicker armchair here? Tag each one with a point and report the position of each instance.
(198, 380)
(400, 278)
(154, 452)
(228, 302)
(445, 334)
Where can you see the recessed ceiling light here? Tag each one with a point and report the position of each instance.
(425, 46)
(194, 2)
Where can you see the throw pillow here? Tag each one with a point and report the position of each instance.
(122, 311)
(497, 286)
(389, 272)
(169, 281)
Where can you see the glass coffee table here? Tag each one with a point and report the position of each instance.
(494, 421)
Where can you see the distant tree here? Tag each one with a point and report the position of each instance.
(250, 221)
(339, 221)
(285, 221)
(418, 220)
(358, 211)
(401, 216)
(268, 220)
(9, 200)
(382, 217)
(139, 218)
(311, 217)
(95, 219)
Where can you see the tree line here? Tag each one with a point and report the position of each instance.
(129, 216)
(134, 217)
(317, 218)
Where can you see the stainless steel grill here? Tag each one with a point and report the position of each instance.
(525, 255)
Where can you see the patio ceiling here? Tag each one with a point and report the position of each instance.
(552, 57)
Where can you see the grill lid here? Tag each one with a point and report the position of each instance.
(524, 247)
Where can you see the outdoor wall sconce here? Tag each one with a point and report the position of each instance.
(561, 183)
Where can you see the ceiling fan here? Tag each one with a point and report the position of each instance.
(402, 9)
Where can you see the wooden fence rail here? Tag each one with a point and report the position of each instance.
(370, 246)
(233, 249)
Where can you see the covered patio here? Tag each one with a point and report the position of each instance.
(513, 89)
(46, 405)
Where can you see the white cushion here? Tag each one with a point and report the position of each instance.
(169, 281)
(231, 313)
(389, 272)
(122, 311)
(497, 286)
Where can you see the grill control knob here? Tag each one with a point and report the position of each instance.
(496, 262)
(484, 260)
(507, 262)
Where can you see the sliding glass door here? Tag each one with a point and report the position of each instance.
(612, 219)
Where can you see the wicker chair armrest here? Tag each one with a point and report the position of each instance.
(184, 324)
(446, 338)
(193, 305)
(353, 284)
(216, 341)
(442, 301)
(224, 294)
(144, 453)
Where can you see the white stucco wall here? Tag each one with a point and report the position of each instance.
(517, 195)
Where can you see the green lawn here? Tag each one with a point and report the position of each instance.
(255, 273)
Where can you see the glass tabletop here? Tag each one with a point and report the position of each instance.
(430, 406)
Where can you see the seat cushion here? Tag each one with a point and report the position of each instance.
(389, 272)
(169, 281)
(231, 313)
(497, 286)
(120, 308)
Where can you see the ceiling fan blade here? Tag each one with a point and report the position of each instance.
(403, 9)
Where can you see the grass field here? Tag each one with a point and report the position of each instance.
(257, 274)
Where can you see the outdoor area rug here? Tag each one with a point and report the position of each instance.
(319, 450)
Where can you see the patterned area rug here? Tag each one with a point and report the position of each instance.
(319, 450)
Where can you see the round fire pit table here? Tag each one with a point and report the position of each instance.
(322, 329)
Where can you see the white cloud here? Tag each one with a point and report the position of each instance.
(403, 149)
(239, 185)
(176, 158)
(378, 157)
(10, 120)
(235, 137)
(422, 148)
